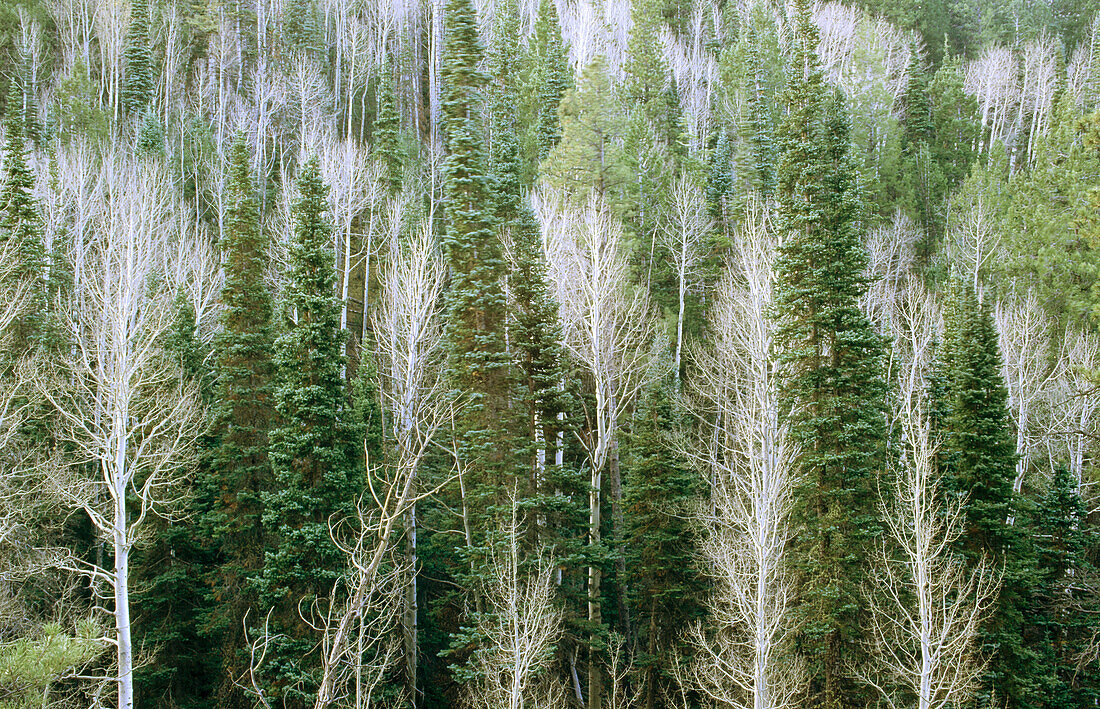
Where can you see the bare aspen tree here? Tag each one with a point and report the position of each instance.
(120, 401)
(610, 329)
(890, 251)
(356, 192)
(992, 80)
(743, 655)
(1024, 335)
(973, 241)
(408, 338)
(926, 605)
(1075, 402)
(521, 628)
(684, 228)
(110, 19)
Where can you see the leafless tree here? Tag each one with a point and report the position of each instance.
(926, 605)
(890, 249)
(610, 329)
(743, 655)
(684, 228)
(521, 628)
(365, 632)
(408, 333)
(122, 406)
(973, 241)
(1074, 401)
(992, 80)
(1024, 333)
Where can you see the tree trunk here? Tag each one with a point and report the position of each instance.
(595, 616)
(411, 609)
(122, 606)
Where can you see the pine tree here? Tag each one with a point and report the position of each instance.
(387, 133)
(553, 76)
(665, 582)
(21, 224)
(832, 385)
(1063, 617)
(170, 589)
(236, 471)
(137, 87)
(475, 305)
(978, 461)
(312, 454)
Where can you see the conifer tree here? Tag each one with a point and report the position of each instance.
(386, 136)
(32, 127)
(21, 223)
(317, 478)
(667, 588)
(137, 87)
(553, 75)
(475, 305)
(236, 471)
(978, 461)
(832, 385)
(1064, 616)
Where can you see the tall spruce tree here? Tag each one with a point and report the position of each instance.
(236, 470)
(660, 545)
(1063, 617)
(386, 136)
(478, 363)
(21, 229)
(137, 86)
(832, 386)
(978, 461)
(312, 451)
(553, 75)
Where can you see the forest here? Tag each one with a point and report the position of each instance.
(550, 354)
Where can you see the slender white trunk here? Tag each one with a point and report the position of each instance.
(411, 608)
(122, 572)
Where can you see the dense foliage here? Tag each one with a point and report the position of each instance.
(547, 353)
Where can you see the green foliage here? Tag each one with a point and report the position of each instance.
(317, 476)
(137, 87)
(386, 134)
(79, 113)
(30, 666)
(589, 157)
(236, 472)
(978, 461)
(1063, 618)
(21, 229)
(552, 76)
(661, 488)
(831, 376)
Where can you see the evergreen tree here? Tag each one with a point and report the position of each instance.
(757, 128)
(32, 127)
(236, 471)
(590, 157)
(317, 478)
(832, 385)
(978, 462)
(169, 595)
(475, 306)
(137, 87)
(665, 583)
(1063, 618)
(553, 76)
(301, 33)
(387, 133)
(21, 225)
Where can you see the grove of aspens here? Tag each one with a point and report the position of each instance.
(549, 354)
